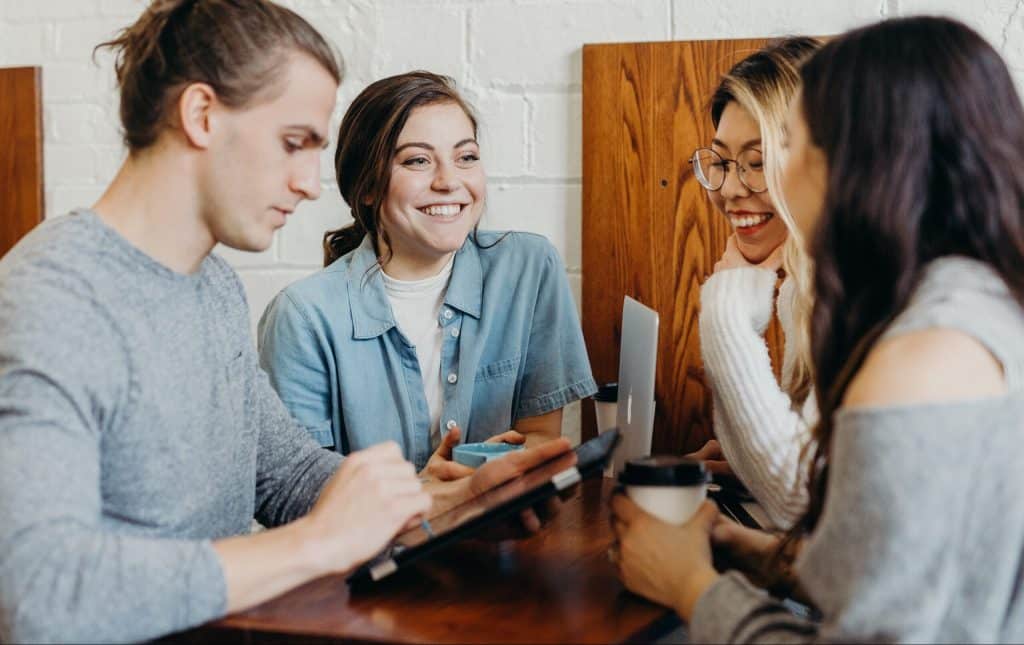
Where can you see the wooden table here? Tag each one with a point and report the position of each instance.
(555, 587)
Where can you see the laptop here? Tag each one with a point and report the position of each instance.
(638, 357)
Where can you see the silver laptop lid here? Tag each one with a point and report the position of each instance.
(638, 357)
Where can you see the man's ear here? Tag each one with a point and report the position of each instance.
(194, 113)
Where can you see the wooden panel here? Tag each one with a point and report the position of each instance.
(21, 155)
(649, 230)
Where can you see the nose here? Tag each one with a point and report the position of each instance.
(733, 188)
(445, 179)
(305, 178)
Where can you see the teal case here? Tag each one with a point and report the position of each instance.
(475, 455)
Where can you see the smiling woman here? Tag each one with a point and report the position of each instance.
(436, 193)
(760, 423)
(421, 328)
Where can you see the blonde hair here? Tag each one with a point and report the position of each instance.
(763, 84)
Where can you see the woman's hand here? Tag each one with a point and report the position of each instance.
(670, 565)
(756, 554)
(749, 550)
(440, 466)
(498, 471)
(711, 454)
(448, 494)
(733, 259)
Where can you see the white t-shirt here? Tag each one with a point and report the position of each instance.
(417, 308)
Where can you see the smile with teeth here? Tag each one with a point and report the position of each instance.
(746, 221)
(442, 210)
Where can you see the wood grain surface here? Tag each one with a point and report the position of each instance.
(555, 587)
(649, 230)
(21, 155)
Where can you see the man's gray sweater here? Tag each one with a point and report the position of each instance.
(135, 427)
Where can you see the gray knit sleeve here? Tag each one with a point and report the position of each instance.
(292, 467)
(65, 576)
(902, 542)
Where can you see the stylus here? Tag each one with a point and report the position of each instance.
(426, 527)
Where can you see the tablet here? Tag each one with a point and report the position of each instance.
(470, 517)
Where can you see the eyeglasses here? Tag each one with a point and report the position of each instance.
(711, 169)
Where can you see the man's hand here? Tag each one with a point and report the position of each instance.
(373, 495)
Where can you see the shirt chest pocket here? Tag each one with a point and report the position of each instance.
(494, 392)
(503, 369)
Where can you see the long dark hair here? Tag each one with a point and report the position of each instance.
(238, 47)
(366, 143)
(923, 133)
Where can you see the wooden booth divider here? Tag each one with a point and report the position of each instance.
(649, 230)
(21, 155)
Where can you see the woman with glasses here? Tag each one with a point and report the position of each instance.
(761, 426)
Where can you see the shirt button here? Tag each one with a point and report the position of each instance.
(450, 424)
(455, 332)
(447, 314)
(453, 377)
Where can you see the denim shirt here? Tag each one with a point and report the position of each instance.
(512, 348)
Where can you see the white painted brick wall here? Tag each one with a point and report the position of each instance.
(693, 19)
(538, 44)
(518, 61)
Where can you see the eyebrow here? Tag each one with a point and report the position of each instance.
(310, 131)
(427, 146)
(748, 144)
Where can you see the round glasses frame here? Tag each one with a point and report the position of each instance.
(741, 168)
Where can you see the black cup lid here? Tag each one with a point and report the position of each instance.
(607, 393)
(664, 471)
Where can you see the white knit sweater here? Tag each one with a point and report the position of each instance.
(761, 435)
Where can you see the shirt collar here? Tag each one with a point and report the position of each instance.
(466, 289)
(368, 300)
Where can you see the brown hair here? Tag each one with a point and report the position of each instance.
(237, 47)
(366, 144)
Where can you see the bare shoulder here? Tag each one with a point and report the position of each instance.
(927, 366)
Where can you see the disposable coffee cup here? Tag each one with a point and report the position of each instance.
(606, 406)
(670, 488)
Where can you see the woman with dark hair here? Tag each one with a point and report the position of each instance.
(905, 150)
(421, 328)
